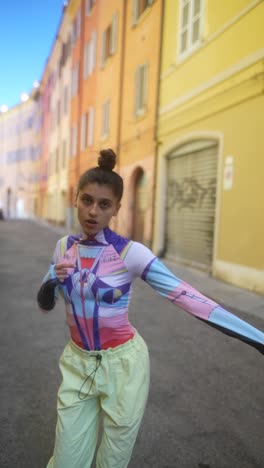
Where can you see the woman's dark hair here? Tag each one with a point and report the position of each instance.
(103, 174)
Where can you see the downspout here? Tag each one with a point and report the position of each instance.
(80, 90)
(121, 90)
(122, 66)
(156, 142)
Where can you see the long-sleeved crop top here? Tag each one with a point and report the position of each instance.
(97, 291)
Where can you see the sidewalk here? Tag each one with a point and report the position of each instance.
(226, 294)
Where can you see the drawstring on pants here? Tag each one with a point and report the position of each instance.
(93, 373)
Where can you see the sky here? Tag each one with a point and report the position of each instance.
(27, 31)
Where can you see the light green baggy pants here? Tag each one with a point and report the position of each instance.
(117, 388)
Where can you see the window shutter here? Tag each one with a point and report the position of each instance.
(135, 12)
(77, 77)
(137, 82)
(145, 81)
(72, 88)
(75, 139)
(72, 33)
(103, 48)
(88, 7)
(71, 143)
(83, 131)
(85, 60)
(90, 126)
(105, 118)
(78, 25)
(114, 26)
(93, 51)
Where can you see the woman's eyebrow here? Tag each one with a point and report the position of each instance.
(105, 199)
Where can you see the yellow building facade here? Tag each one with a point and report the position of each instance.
(209, 196)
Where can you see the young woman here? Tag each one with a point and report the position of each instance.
(105, 366)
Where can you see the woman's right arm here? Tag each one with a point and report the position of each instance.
(57, 272)
(49, 289)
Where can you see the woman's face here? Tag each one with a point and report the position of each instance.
(96, 204)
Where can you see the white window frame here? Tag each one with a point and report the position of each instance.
(105, 119)
(141, 85)
(188, 28)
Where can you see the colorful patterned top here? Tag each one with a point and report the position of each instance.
(97, 291)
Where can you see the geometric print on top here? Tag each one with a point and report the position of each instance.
(97, 291)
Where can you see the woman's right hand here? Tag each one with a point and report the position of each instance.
(61, 270)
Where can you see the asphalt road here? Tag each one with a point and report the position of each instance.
(206, 401)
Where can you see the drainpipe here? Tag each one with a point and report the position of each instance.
(121, 89)
(156, 123)
(80, 90)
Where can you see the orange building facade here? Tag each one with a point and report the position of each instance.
(139, 100)
(115, 78)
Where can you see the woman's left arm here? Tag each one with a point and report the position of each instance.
(157, 275)
(143, 263)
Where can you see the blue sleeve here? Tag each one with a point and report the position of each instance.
(159, 277)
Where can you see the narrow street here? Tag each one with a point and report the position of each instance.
(206, 399)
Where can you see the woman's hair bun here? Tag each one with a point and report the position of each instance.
(107, 160)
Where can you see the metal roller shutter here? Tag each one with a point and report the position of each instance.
(191, 199)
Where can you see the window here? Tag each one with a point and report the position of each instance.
(83, 131)
(88, 6)
(190, 25)
(87, 126)
(74, 131)
(64, 154)
(89, 56)
(65, 100)
(138, 7)
(86, 59)
(141, 89)
(57, 160)
(75, 77)
(76, 28)
(58, 112)
(90, 127)
(109, 40)
(105, 119)
(65, 53)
